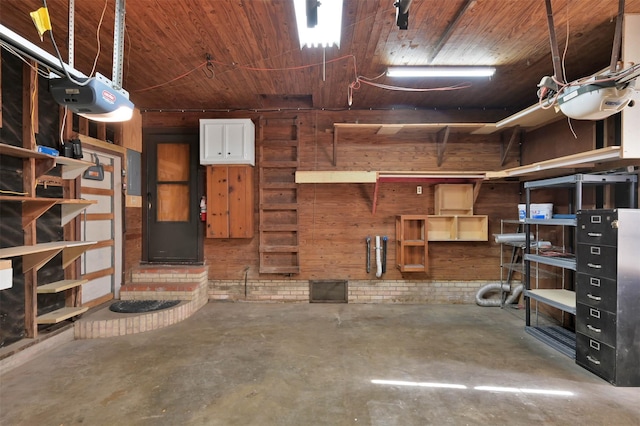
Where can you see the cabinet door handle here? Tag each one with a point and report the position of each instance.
(594, 265)
(594, 329)
(593, 360)
(592, 297)
(594, 234)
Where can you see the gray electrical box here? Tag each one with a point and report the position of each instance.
(134, 180)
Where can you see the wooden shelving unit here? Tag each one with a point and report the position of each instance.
(412, 243)
(35, 256)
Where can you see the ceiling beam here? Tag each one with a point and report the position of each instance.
(449, 30)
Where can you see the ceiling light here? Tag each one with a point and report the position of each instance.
(440, 71)
(327, 17)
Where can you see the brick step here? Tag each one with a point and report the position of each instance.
(161, 286)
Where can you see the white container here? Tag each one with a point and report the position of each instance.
(6, 274)
(537, 211)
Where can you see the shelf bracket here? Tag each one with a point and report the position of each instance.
(33, 209)
(442, 145)
(505, 151)
(335, 146)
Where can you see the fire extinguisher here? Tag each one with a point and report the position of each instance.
(203, 209)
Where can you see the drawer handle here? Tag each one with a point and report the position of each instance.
(595, 282)
(594, 329)
(594, 265)
(592, 297)
(593, 360)
(594, 234)
(594, 345)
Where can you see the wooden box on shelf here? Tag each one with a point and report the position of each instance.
(412, 243)
(453, 199)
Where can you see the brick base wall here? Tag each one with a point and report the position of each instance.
(360, 291)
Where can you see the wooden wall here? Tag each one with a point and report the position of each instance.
(335, 219)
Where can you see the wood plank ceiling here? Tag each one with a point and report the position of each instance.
(248, 39)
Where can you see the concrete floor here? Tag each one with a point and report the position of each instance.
(313, 364)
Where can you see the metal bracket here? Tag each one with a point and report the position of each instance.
(505, 151)
(72, 7)
(441, 146)
(118, 44)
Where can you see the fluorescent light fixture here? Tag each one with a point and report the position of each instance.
(326, 32)
(94, 99)
(440, 71)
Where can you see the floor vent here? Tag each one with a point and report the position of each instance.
(328, 291)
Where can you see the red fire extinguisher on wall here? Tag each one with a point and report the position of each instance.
(203, 209)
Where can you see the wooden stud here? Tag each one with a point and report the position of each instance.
(29, 129)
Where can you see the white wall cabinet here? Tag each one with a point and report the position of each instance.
(227, 141)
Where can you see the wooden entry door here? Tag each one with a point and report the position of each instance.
(173, 232)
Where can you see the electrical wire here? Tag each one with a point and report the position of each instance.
(64, 69)
(95, 61)
(4, 191)
(20, 56)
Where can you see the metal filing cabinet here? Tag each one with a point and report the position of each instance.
(608, 294)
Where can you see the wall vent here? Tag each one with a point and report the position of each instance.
(328, 291)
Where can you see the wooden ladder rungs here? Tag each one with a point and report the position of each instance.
(280, 142)
(58, 286)
(279, 206)
(61, 315)
(279, 249)
(279, 269)
(279, 164)
(278, 185)
(289, 227)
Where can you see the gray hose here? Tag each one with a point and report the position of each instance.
(495, 287)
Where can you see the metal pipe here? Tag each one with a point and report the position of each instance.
(378, 257)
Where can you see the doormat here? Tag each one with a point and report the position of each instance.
(139, 306)
(328, 291)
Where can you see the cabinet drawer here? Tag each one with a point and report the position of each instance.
(596, 323)
(595, 356)
(596, 228)
(598, 292)
(599, 261)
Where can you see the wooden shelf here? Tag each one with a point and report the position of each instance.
(458, 228)
(454, 199)
(33, 207)
(44, 162)
(61, 315)
(561, 299)
(35, 256)
(71, 168)
(59, 286)
(412, 243)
